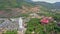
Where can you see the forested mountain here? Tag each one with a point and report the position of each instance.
(47, 5)
(7, 3)
(57, 5)
(13, 8)
(18, 3)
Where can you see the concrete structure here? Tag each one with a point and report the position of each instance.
(12, 24)
(34, 15)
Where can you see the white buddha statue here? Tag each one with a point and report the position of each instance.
(21, 24)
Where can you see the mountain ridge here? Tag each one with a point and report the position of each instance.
(55, 5)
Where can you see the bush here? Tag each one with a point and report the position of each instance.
(11, 32)
(34, 25)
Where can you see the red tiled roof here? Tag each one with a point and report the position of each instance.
(44, 21)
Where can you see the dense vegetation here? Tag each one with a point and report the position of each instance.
(12, 3)
(35, 26)
(11, 32)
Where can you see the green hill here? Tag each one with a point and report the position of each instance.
(16, 8)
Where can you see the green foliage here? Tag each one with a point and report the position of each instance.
(7, 3)
(57, 17)
(11, 32)
(12, 3)
(34, 25)
(31, 25)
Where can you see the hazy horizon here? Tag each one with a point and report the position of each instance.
(49, 1)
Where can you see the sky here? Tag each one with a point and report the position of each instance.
(50, 1)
